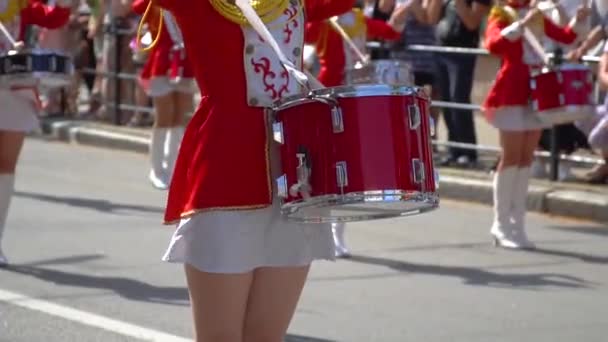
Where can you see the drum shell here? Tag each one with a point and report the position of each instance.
(563, 94)
(382, 149)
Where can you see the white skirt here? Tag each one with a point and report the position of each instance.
(18, 110)
(515, 118)
(161, 86)
(239, 241)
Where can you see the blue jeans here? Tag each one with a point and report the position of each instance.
(456, 74)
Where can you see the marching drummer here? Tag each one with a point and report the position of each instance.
(172, 94)
(245, 265)
(20, 105)
(511, 31)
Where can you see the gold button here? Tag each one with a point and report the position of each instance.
(253, 101)
(249, 49)
(297, 52)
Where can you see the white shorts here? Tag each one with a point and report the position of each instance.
(18, 110)
(238, 241)
(515, 118)
(161, 86)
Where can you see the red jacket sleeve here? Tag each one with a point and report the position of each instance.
(139, 6)
(563, 35)
(45, 16)
(317, 10)
(378, 29)
(499, 45)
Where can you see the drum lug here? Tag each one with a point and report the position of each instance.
(535, 105)
(560, 77)
(418, 171)
(337, 120)
(277, 132)
(303, 171)
(414, 116)
(432, 126)
(533, 84)
(562, 100)
(341, 175)
(282, 186)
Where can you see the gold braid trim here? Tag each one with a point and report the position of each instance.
(13, 8)
(267, 10)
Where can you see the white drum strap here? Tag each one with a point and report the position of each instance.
(304, 78)
(174, 32)
(535, 44)
(8, 35)
(334, 23)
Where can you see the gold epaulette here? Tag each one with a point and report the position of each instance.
(503, 13)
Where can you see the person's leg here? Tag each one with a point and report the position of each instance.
(219, 302)
(463, 122)
(273, 298)
(445, 91)
(163, 119)
(511, 143)
(182, 104)
(11, 143)
(520, 189)
(337, 230)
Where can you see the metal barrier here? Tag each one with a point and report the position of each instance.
(554, 155)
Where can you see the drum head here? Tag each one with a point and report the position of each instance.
(364, 206)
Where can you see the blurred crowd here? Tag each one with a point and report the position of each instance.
(101, 37)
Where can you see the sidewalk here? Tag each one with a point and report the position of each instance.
(576, 200)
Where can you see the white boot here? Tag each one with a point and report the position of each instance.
(519, 238)
(7, 186)
(158, 175)
(337, 230)
(503, 194)
(174, 141)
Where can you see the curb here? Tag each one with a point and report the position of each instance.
(541, 198)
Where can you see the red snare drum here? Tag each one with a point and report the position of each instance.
(563, 94)
(355, 153)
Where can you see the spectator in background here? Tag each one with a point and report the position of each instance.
(459, 25)
(380, 10)
(420, 30)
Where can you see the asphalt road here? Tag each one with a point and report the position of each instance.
(85, 238)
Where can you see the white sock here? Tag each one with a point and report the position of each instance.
(7, 187)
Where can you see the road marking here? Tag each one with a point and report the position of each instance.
(89, 319)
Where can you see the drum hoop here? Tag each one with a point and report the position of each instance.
(429, 201)
(561, 67)
(349, 91)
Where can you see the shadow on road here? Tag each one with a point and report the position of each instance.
(95, 204)
(299, 338)
(127, 288)
(477, 276)
(596, 230)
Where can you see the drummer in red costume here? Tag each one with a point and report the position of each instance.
(335, 54)
(19, 107)
(507, 108)
(245, 265)
(167, 78)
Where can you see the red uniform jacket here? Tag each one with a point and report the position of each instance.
(158, 63)
(223, 162)
(512, 84)
(332, 50)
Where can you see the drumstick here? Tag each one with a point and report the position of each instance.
(536, 47)
(9, 37)
(334, 22)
